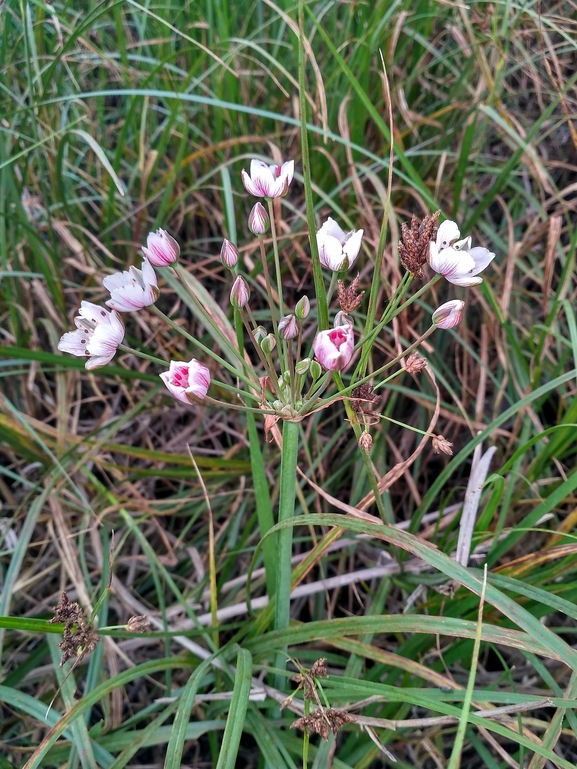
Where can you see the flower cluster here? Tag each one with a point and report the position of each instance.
(100, 331)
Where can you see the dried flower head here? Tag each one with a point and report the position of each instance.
(362, 396)
(366, 442)
(415, 240)
(350, 298)
(138, 624)
(442, 446)
(415, 364)
(66, 611)
(323, 721)
(319, 668)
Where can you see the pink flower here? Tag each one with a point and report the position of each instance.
(132, 290)
(334, 347)
(338, 250)
(267, 181)
(98, 334)
(449, 314)
(239, 293)
(187, 381)
(258, 220)
(161, 249)
(454, 259)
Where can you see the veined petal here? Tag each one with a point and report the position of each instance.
(148, 273)
(75, 342)
(332, 228)
(352, 245)
(449, 262)
(448, 232)
(463, 280)
(330, 252)
(250, 186)
(91, 314)
(482, 258)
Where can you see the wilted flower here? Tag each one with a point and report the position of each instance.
(454, 259)
(266, 181)
(228, 254)
(449, 314)
(239, 293)
(258, 220)
(303, 307)
(338, 250)
(161, 249)
(132, 290)
(334, 347)
(187, 381)
(288, 327)
(98, 334)
(414, 363)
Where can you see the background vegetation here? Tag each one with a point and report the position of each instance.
(119, 117)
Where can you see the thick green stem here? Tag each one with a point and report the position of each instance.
(286, 511)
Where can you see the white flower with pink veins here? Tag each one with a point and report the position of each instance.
(266, 181)
(97, 336)
(132, 290)
(454, 259)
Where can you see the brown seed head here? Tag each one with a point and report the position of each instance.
(66, 611)
(323, 721)
(138, 624)
(366, 442)
(442, 445)
(350, 298)
(363, 395)
(414, 363)
(318, 668)
(414, 243)
(78, 642)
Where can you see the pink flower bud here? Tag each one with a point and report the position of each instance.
(258, 220)
(228, 254)
(187, 381)
(334, 347)
(288, 327)
(303, 307)
(239, 293)
(161, 249)
(449, 314)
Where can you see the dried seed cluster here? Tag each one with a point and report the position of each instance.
(415, 239)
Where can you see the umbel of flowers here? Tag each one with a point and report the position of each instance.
(295, 373)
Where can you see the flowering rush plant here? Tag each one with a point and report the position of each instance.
(282, 366)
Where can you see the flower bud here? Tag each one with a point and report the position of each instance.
(239, 293)
(228, 254)
(161, 249)
(259, 334)
(342, 319)
(258, 221)
(449, 314)
(316, 369)
(303, 366)
(288, 327)
(268, 343)
(302, 307)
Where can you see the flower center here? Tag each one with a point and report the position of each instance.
(180, 377)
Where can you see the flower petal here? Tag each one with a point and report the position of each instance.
(464, 280)
(332, 228)
(352, 245)
(330, 252)
(449, 262)
(482, 258)
(448, 232)
(75, 342)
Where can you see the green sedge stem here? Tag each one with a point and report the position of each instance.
(280, 338)
(286, 511)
